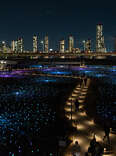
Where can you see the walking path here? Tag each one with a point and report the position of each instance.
(85, 126)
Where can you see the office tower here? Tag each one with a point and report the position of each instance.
(62, 46)
(35, 47)
(20, 45)
(16, 46)
(46, 44)
(13, 45)
(88, 45)
(71, 44)
(100, 45)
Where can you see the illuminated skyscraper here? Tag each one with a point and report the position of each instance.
(20, 45)
(88, 45)
(46, 44)
(35, 47)
(16, 46)
(13, 45)
(100, 45)
(71, 44)
(62, 46)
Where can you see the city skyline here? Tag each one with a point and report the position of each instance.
(57, 78)
(69, 43)
(58, 19)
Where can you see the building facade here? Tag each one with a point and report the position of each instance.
(88, 45)
(62, 46)
(70, 44)
(35, 44)
(13, 45)
(100, 45)
(20, 46)
(46, 44)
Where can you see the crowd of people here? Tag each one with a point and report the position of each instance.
(94, 149)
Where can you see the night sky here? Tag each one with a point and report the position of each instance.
(58, 19)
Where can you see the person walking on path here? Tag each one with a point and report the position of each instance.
(76, 149)
(95, 149)
(107, 132)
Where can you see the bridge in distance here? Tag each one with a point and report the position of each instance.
(57, 55)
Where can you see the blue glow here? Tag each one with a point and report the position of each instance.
(87, 71)
(45, 79)
(99, 75)
(36, 66)
(112, 70)
(17, 93)
(59, 72)
(39, 87)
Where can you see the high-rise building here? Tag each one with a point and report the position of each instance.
(100, 45)
(88, 45)
(20, 45)
(71, 44)
(35, 47)
(62, 46)
(46, 44)
(13, 45)
(16, 46)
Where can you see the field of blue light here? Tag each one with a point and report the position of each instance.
(107, 75)
(24, 104)
(29, 96)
